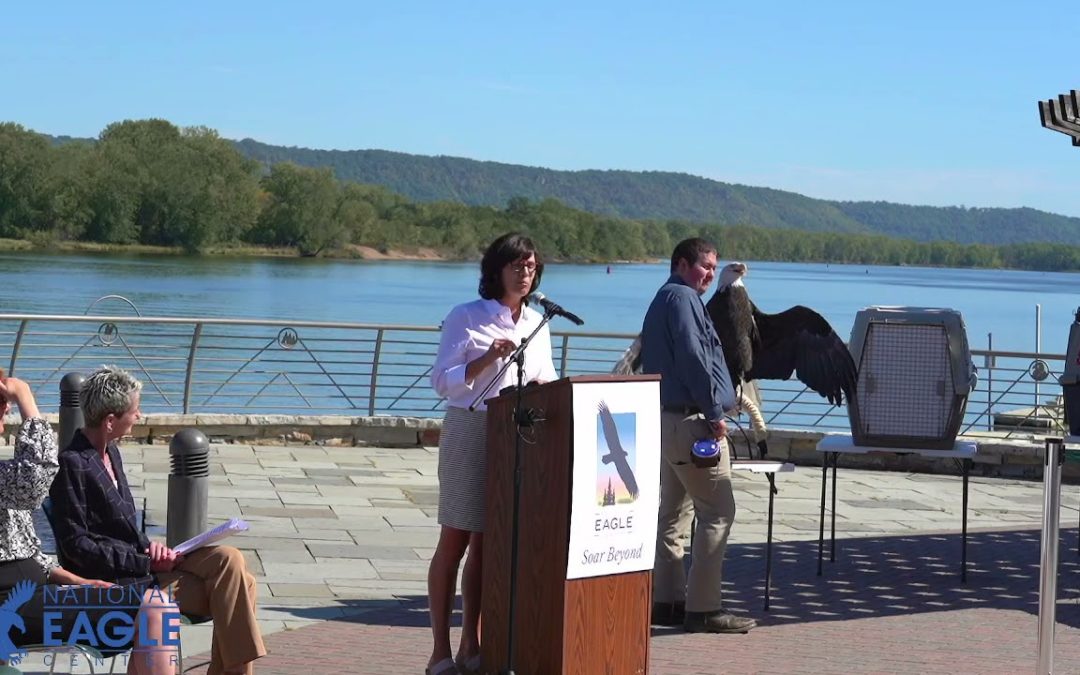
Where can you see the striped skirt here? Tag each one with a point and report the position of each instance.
(463, 469)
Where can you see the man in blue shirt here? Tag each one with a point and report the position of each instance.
(679, 343)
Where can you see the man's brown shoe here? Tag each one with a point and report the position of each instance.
(717, 622)
(668, 613)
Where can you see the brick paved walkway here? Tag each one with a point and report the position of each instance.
(341, 538)
(888, 605)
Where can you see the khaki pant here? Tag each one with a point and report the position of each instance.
(708, 490)
(214, 581)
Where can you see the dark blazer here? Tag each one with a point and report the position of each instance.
(94, 521)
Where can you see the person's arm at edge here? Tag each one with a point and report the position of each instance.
(34, 462)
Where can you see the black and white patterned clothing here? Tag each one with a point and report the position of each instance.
(24, 483)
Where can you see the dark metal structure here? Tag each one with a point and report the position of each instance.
(1061, 115)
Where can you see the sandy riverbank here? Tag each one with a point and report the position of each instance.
(348, 252)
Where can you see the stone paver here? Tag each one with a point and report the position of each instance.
(342, 568)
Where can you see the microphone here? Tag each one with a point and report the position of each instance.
(553, 309)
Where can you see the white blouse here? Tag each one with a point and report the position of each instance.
(468, 331)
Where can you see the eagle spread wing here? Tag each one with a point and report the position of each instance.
(800, 340)
(630, 362)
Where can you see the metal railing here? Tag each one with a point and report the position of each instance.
(202, 365)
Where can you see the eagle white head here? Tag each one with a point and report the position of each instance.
(732, 274)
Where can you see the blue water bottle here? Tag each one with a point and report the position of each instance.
(706, 452)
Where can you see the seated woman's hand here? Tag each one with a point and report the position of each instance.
(98, 583)
(162, 558)
(59, 575)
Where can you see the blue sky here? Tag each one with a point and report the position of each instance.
(912, 102)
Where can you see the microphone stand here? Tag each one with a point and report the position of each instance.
(522, 418)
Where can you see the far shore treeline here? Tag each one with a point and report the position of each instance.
(151, 183)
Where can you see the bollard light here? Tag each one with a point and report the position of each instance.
(915, 375)
(189, 477)
(71, 417)
(1070, 379)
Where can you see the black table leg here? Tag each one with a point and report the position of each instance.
(821, 519)
(832, 544)
(963, 536)
(768, 553)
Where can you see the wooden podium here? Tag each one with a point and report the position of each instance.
(565, 624)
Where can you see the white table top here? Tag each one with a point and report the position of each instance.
(761, 466)
(844, 443)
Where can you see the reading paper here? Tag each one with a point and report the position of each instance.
(226, 529)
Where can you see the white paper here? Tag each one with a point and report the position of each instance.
(226, 529)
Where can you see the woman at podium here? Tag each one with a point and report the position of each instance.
(478, 338)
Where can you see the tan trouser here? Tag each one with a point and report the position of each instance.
(214, 581)
(708, 491)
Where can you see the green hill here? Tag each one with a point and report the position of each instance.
(669, 196)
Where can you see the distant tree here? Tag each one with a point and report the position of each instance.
(24, 169)
(302, 210)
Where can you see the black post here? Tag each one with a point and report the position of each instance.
(821, 516)
(189, 478)
(71, 417)
(521, 419)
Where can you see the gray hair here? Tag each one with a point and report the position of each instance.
(109, 390)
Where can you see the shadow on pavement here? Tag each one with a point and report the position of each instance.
(872, 577)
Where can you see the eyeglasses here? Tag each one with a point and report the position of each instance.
(520, 268)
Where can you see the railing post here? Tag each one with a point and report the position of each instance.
(374, 372)
(15, 347)
(1048, 561)
(1038, 350)
(189, 455)
(191, 367)
(71, 417)
(562, 357)
(990, 364)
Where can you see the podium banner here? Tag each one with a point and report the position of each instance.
(616, 478)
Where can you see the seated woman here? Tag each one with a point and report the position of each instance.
(95, 525)
(24, 568)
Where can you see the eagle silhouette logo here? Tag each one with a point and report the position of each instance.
(616, 454)
(9, 617)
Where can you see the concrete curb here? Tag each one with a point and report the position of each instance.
(1015, 456)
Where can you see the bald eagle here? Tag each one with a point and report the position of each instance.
(772, 346)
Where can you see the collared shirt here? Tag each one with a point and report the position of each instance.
(679, 343)
(468, 331)
(94, 519)
(24, 482)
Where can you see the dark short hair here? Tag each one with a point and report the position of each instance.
(509, 248)
(691, 250)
